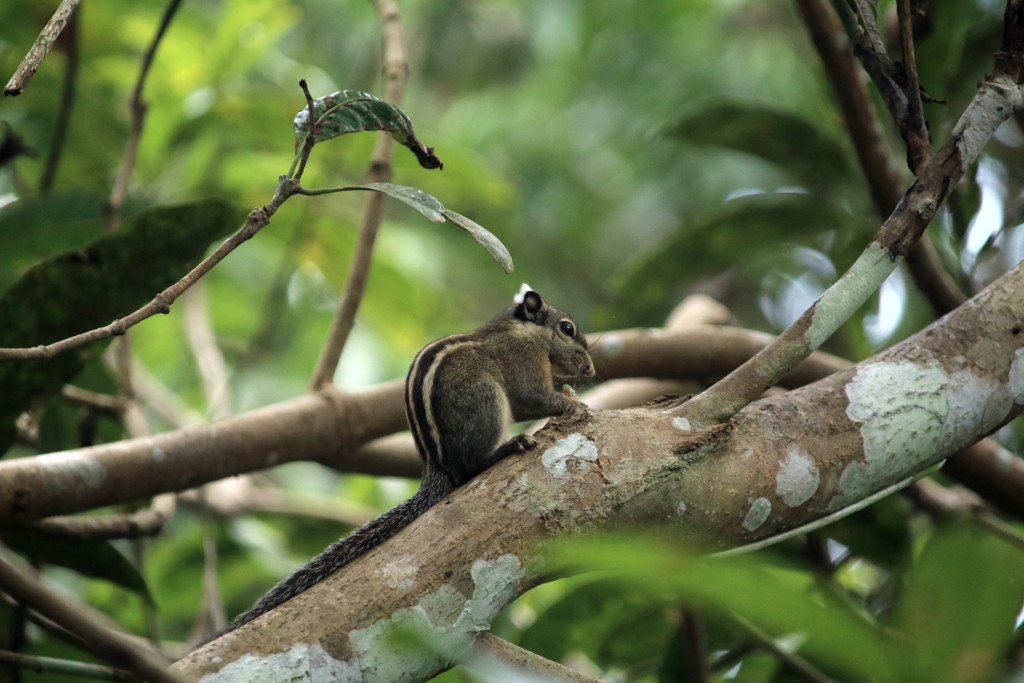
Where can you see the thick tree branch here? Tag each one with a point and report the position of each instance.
(329, 426)
(781, 466)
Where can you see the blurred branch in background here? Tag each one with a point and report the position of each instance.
(396, 71)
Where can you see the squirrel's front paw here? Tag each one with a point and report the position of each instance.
(520, 443)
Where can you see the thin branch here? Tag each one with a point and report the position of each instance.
(870, 48)
(256, 221)
(210, 361)
(396, 70)
(795, 663)
(47, 37)
(916, 130)
(67, 101)
(148, 521)
(693, 648)
(84, 622)
(138, 112)
(879, 167)
(310, 139)
(65, 667)
(942, 502)
(111, 405)
(519, 662)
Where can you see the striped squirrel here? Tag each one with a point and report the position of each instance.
(461, 395)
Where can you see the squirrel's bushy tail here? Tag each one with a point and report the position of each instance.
(337, 555)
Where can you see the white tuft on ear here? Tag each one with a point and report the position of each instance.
(522, 293)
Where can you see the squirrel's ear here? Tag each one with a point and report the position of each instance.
(528, 303)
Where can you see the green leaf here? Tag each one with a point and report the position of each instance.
(611, 627)
(778, 600)
(425, 203)
(488, 241)
(813, 157)
(961, 603)
(98, 559)
(89, 287)
(430, 207)
(31, 229)
(354, 111)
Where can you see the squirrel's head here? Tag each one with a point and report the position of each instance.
(567, 345)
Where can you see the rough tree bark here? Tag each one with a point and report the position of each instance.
(781, 465)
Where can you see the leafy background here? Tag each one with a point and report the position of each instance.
(626, 154)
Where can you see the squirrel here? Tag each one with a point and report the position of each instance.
(461, 395)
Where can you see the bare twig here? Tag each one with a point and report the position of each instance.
(310, 140)
(916, 131)
(47, 37)
(396, 71)
(66, 106)
(84, 622)
(138, 112)
(873, 153)
(868, 45)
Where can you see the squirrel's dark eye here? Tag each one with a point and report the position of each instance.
(567, 328)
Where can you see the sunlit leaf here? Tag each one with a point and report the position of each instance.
(354, 111)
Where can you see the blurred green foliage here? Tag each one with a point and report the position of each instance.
(626, 154)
